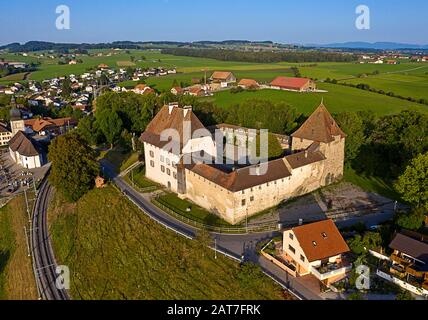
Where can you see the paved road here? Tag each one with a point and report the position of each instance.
(44, 263)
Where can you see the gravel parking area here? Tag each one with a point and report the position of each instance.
(14, 178)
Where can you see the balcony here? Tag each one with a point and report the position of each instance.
(330, 270)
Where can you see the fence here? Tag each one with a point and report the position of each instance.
(218, 229)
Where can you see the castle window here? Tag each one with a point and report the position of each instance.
(152, 154)
(174, 175)
(168, 162)
(291, 249)
(168, 172)
(163, 169)
(302, 258)
(162, 158)
(291, 236)
(252, 198)
(152, 163)
(244, 202)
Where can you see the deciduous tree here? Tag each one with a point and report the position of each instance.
(74, 166)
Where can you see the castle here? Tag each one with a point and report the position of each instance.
(314, 158)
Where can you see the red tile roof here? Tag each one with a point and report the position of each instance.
(248, 83)
(319, 127)
(165, 120)
(290, 83)
(320, 240)
(221, 75)
(241, 179)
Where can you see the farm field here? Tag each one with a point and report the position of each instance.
(406, 79)
(338, 99)
(114, 251)
(413, 85)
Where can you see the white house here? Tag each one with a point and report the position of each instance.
(317, 249)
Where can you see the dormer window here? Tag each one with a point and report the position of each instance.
(324, 235)
(314, 243)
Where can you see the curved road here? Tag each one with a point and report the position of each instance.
(44, 263)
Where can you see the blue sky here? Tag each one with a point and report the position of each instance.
(285, 21)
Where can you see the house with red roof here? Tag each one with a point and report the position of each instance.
(248, 84)
(293, 84)
(318, 249)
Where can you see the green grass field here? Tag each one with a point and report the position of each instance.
(16, 275)
(114, 251)
(371, 184)
(406, 79)
(196, 213)
(338, 99)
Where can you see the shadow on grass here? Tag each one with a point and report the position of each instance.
(4, 258)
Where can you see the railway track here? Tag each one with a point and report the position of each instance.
(44, 263)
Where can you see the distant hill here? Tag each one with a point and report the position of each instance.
(375, 45)
(43, 45)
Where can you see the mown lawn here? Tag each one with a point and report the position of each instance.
(196, 213)
(337, 99)
(120, 158)
(114, 251)
(138, 177)
(371, 184)
(16, 274)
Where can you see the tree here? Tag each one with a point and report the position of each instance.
(175, 83)
(404, 295)
(110, 124)
(66, 88)
(89, 131)
(413, 183)
(361, 244)
(353, 126)
(274, 147)
(413, 220)
(74, 166)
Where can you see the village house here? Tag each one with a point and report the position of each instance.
(315, 159)
(318, 249)
(293, 84)
(177, 91)
(143, 89)
(248, 84)
(225, 79)
(103, 66)
(408, 264)
(50, 127)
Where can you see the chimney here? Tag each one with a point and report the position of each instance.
(306, 153)
(171, 106)
(186, 110)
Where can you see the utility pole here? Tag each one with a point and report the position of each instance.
(26, 240)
